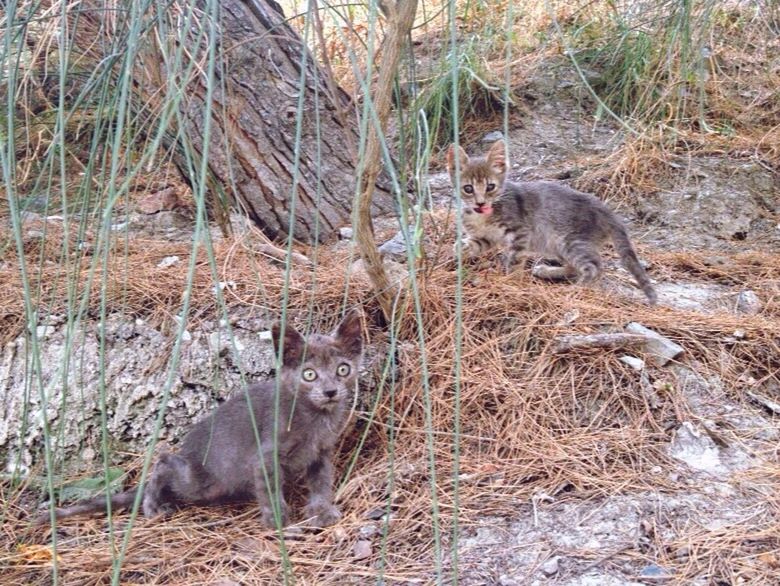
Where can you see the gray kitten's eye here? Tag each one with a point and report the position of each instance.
(343, 369)
(309, 375)
(468, 189)
(491, 186)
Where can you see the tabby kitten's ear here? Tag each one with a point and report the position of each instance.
(349, 333)
(496, 157)
(463, 159)
(291, 341)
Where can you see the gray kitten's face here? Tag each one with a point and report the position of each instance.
(324, 368)
(481, 178)
(327, 374)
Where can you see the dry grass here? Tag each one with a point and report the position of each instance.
(577, 425)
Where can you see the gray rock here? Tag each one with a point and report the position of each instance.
(493, 136)
(395, 248)
(655, 574)
(633, 362)
(345, 233)
(551, 566)
(660, 350)
(697, 449)
(362, 549)
(748, 303)
(43, 332)
(168, 261)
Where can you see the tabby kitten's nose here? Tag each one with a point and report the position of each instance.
(331, 393)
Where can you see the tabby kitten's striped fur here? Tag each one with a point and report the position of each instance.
(543, 218)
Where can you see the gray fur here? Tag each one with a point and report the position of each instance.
(219, 461)
(539, 217)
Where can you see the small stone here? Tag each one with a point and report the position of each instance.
(367, 531)
(505, 580)
(493, 136)
(660, 349)
(551, 566)
(748, 303)
(43, 332)
(338, 534)
(362, 549)
(345, 233)
(168, 261)
(739, 334)
(633, 362)
(395, 248)
(697, 449)
(654, 573)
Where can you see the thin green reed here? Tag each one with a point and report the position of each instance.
(277, 488)
(12, 46)
(458, 338)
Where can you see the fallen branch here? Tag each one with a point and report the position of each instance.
(609, 340)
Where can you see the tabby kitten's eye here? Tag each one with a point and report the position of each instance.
(309, 375)
(343, 369)
(468, 189)
(491, 186)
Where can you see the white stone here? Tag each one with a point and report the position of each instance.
(660, 350)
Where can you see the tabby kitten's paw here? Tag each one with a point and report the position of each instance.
(542, 270)
(321, 515)
(469, 248)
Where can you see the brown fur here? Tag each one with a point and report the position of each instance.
(219, 460)
(538, 217)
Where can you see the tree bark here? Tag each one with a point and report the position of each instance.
(254, 108)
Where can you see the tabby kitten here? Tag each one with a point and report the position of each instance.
(219, 460)
(538, 217)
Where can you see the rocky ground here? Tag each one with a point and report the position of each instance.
(719, 481)
(713, 205)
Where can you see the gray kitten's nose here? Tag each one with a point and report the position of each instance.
(331, 393)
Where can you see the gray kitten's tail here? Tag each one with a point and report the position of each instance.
(629, 259)
(121, 500)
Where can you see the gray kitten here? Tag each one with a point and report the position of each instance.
(538, 217)
(219, 461)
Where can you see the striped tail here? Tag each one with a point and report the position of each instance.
(630, 261)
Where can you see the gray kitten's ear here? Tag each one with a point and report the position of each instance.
(463, 158)
(291, 341)
(349, 332)
(496, 157)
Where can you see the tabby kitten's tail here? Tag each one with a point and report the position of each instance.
(630, 261)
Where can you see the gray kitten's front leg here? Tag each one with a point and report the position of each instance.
(266, 491)
(320, 508)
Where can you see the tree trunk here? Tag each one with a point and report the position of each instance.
(254, 109)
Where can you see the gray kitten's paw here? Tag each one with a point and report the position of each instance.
(153, 507)
(322, 515)
(268, 519)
